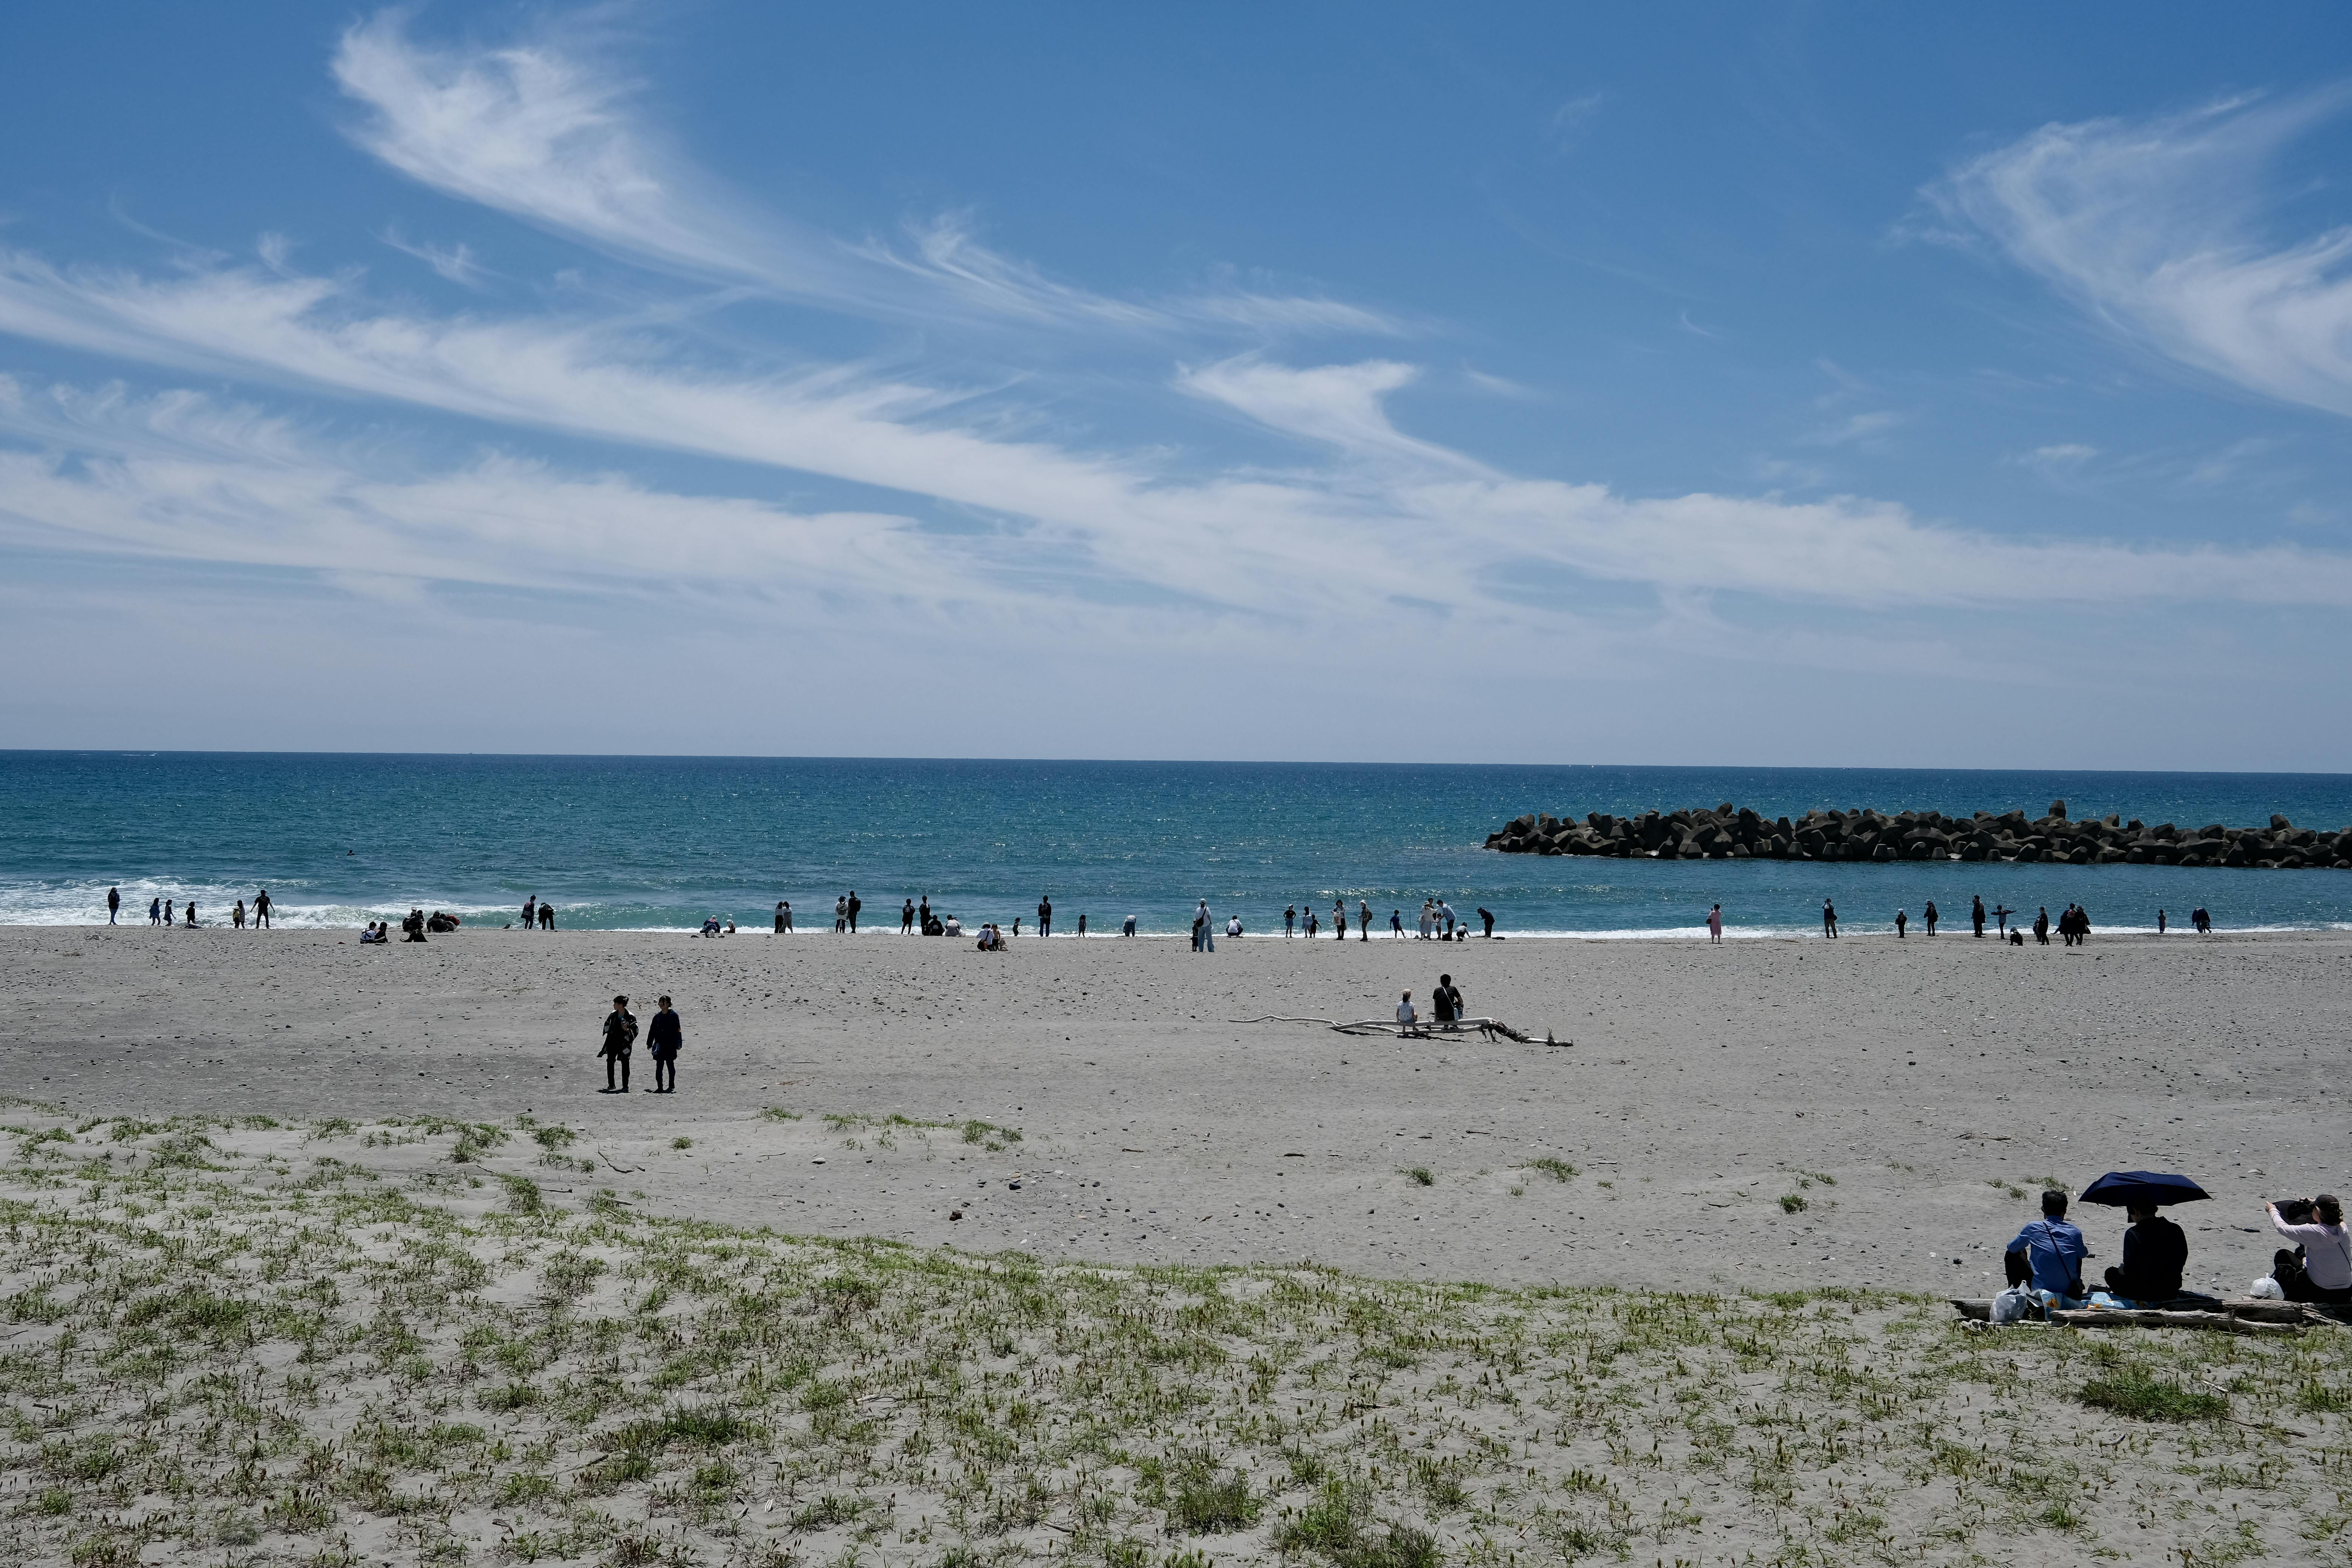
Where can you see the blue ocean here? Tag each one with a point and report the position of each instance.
(662, 842)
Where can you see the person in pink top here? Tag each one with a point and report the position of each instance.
(1715, 923)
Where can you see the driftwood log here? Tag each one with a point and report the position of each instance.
(1488, 1028)
(2231, 1317)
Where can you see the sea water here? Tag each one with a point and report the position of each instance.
(663, 842)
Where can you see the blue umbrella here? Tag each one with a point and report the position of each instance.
(2121, 1188)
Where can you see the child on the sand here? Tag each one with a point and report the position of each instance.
(620, 1038)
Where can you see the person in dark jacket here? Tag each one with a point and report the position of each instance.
(2155, 1253)
(1446, 1002)
(663, 1038)
(620, 1039)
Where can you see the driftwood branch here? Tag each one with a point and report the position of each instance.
(1488, 1028)
(2231, 1317)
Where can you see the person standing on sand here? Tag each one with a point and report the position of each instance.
(923, 915)
(155, 911)
(1714, 923)
(620, 1039)
(168, 907)
(1829, 918)
(840, 914)
(1129, 929)
(2159, 923)
(236, 915)
(2000, 913)
(907, 917)
(664, 1037)
(1082, 928)
(1046, 914)
(1290, 921)
(192, 914)
(856, 904)
(113, 903)
(1363, 921)
(531, 912)
(2042, 927)
(1204, 930)
(261, 909)
(1901, 920)
(1930, 916)
(1339, 918)
(1396, 923)
(1486, 917)
(1976, 915)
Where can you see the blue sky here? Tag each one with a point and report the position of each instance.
(1741, 383)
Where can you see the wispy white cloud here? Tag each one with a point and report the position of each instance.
(1565, 126)
(2060, 460)
(453, 262)
(1856, 428)
(2159, 228)
(553, 136)
(1343, 406)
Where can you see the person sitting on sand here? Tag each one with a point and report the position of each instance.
(2320, 1267)
(951, 927)
(2048, 1254)
(1233, 925)
(731, 925)
(2017, 936)
(664, 1037)
(1404, 1012)
(620, 1039)
(1446, 1002)
(2154, 1254)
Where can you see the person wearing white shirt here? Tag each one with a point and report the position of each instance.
(1234, 926)
(1404, 1012)
(2325, 1273)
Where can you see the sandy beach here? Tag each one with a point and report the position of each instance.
(1910, 1094)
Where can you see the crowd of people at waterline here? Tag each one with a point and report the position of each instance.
(1435, 921)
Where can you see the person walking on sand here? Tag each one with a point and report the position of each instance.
(1901, 920)
(168, 918)
(236, 915)
(155, 911)
(1396, 923)
(1714, 923)
(1829, 918)
(664, 1037)
(1046, 914)
(1930, 916)
(113, 903)
(620, 1039)
(261, 907)
(1976, 915)
(854, 905)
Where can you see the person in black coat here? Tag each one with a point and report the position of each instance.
(620, 1040)
(663, 1038)
(2154, 1254)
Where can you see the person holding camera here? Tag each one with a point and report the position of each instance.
(2320, 1266)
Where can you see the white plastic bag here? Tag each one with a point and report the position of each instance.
(2012, 1306)
(2266, 1289)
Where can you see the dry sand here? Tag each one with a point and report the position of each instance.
(1894, 1088)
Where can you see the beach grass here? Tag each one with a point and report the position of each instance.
(234, 1343)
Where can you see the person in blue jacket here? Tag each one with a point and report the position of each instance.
(2048, 1253)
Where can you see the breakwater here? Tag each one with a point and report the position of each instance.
(1731, 832)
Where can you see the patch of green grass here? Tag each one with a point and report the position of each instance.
(1795, 1203)
(681, 1142)
(1559, 1169)
(778, 1113)
(1419, 1175)
(1208, 1501)
(523, 1195)
(2134, 1391)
